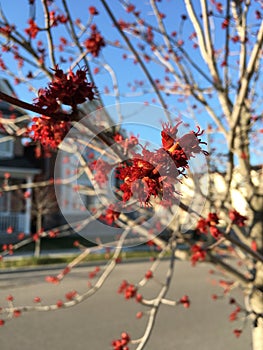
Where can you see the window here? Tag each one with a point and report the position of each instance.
(6, 146)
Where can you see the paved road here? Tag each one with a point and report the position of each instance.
(93, 324)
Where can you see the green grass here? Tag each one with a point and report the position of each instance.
(32, 261)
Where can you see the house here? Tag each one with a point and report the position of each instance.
(17, 166)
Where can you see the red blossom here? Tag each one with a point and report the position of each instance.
(254, 246)
(237, 218)
(198, 254)
(71, 295)
(10, 230)
(110, 216)
(21, 236)
(214, 231)
(2, 322)
(76, 244)
(121, 344)
(225, 23)
(139, 297)
(7, 29)
(185, 301)
(139, 314)
(69, 89)
(93, 11)
(212, 219)
(17, 313)
(49, 131)
(59, 303)
(237, 332)
(56, 19)
(37, 300)
(202, 225)
(149, 274)
(101, 169)
(95, 42)
(127, 143)
(233, 316)
(129, 290)
(10, 298)
(153, 174)
(33, 29)
(219, 7)
(52, 279)
(130, 8)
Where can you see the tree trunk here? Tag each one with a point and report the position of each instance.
(256, 301)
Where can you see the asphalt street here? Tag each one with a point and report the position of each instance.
(93, 324)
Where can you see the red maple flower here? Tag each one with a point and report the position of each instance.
(93, 11)
(37, 300)
(198, 254)
(48, 131)
(185, 301)
(110, 216)
(153, 174)
(237, 218)
(212, 219)
(129, 290)
(7, 29)
(95, 42)
(9, 230)
(148, 274)
(214, 231)
(121, 344)
(234, 315)
(202, 225)
(56, 19)
(127, 143)
(10, 298)
(33, 29)
(237, 332)
(69, 89)
(71, 295)
(101, 169)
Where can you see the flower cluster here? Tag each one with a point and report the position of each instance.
(237, 218)
(95, 42)
(48, 131)
(183, 148)
(130, 291)
(121, 344)
(209, 224)
(126, 143)
(110, 215)
(56, 19)
(101, 168)
(32, 30)
(198, 254)
(153, 174)
(69, 89)
(142, 177)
